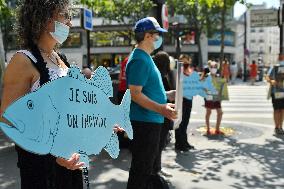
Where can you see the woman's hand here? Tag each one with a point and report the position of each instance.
(117, 129)
(72, 163)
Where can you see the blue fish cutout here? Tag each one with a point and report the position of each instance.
(69, 115)
(207, 84)
(192, 86)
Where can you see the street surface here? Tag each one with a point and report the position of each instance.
(252, 157)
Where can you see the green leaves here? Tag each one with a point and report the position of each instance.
(119, 10)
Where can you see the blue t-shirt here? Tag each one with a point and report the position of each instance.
(142, 71)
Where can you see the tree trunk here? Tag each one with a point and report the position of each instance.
(223, 21)
(200, 59)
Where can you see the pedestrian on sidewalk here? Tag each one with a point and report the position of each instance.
(181, 137)
(162, 61)
(226, 70)
(149, 102)
(122, 86)
(253, 72)
(87, 72)
(42, 24)
(234, 72)
(213, 101)
(275, 77)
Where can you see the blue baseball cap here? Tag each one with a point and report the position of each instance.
(148, 24)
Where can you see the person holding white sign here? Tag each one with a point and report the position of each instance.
(182, 143)
(42, 25)
(149, 102)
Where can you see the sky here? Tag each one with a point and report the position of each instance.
(239, 9)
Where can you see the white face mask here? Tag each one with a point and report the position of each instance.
(213, 70)
(61, 32)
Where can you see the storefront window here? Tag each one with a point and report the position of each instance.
(188, 38)
(110, 38)
(73, 40)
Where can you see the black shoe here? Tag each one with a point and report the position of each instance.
(189, 146)
(182, 148)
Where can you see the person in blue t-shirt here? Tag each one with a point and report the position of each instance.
(149, 102)
(181, 137)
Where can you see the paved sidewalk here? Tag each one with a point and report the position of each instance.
(252, 158)
(5, 143)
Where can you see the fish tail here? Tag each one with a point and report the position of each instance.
(112, 146)
(125, 106)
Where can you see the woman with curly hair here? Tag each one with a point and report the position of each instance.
(42, 24)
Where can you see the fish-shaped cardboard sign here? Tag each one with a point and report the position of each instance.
(192, 86)
(69, 115)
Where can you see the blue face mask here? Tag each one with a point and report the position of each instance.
(158, 42)
(61, 32)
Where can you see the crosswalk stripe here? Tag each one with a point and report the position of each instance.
(254, 109)
(247, 115)
(247, 102)
(266, 105)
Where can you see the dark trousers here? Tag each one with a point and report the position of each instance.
(180, 133)
(120, 95)
(145, 149)
(42, 172)
(163, 143)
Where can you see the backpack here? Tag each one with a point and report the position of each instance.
(157, 182)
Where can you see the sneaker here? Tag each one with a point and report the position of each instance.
(279, 131)
(165, 173)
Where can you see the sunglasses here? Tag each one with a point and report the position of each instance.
(66, 15)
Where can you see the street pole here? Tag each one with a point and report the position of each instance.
(176, 28)
(281, 47)
(245, 47)
(88, 50)
(158, 16)
(178, 49)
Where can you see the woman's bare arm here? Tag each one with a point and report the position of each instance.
(18, 78)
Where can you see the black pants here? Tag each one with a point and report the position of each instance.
(42, 172)
(145, 149)
(163, 142)
(180, 133)
(120, 95)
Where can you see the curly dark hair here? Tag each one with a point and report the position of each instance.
(32, 18)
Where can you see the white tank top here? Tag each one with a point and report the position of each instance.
(54, 71)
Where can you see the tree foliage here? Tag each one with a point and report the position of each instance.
(119, 10)
(205, 16)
